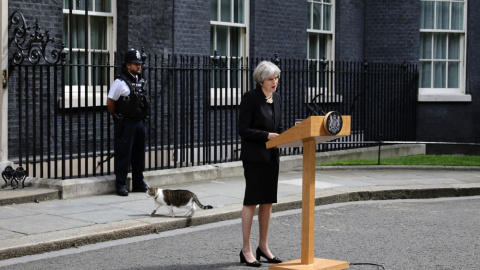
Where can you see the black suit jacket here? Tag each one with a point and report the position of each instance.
(254, 124)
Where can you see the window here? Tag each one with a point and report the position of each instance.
(229, 25)
(320, 29)
(320, 38)
(442, 50)
(92, 41)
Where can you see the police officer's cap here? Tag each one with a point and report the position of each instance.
(132, 56)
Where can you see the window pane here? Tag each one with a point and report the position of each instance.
(313, 66)
(239, 8)
(222, 40)
(98, 73)
(323, 47)
(234, 41)
(439, 74)
(327, 17)
(103, 6)
(316, 17)
(425, 74)
(78, 74)
(309, 15)
(440, 46)
(454, 46)
(100, 5)
(443, 14)
(65, 31)
(235, 76)
(226, 15)
(78, 31)
(80, 4)
(212, 40)
(317, 46)
(425, 46)
(99, 32)
(427, 15)
(457, 16)
(312, 46)
(453, 74)
(214, 10)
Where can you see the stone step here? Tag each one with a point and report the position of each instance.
(9, 196)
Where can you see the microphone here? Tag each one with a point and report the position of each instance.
(313, 106)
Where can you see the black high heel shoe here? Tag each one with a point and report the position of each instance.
(272, 260)
(252, 264)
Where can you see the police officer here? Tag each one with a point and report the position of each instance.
(128, 104)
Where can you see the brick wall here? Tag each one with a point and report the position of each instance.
(349, 30)
(392, 30)
(143, 24)
(48, 13)
(179, 27)
(192, 27)
(278, 27)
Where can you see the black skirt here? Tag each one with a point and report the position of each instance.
(261, 182)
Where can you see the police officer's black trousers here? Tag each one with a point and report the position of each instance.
(129, 147)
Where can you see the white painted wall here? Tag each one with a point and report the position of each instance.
(4, 90)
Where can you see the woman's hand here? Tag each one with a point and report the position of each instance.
(271, 136)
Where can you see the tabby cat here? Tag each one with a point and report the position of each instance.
(178, 198)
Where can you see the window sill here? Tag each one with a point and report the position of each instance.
(87, 97)
(232, 97)
(444, 98)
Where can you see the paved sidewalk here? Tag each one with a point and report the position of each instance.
(33, 228)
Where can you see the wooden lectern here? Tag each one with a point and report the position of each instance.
(308, 134)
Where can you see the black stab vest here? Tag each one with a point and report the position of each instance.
(135, 106)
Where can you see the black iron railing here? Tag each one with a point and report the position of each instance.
(62, 130)
(59, 126)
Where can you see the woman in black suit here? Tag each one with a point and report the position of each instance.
(260, 121)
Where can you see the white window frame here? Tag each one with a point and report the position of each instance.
(330, 49)
(78, 98)
(331, 41)
(448, 94)
(226, 99)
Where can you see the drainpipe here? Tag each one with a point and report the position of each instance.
(4, 86)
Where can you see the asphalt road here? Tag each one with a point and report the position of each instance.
(403, 234)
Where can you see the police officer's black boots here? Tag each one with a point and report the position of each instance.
(122, 191)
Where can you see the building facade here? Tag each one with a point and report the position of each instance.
(438, 35)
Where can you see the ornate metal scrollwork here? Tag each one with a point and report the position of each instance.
(14, 176)
(33, 46)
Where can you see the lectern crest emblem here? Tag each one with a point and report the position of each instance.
(333, 123)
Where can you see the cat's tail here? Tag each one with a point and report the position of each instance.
(195, 199)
